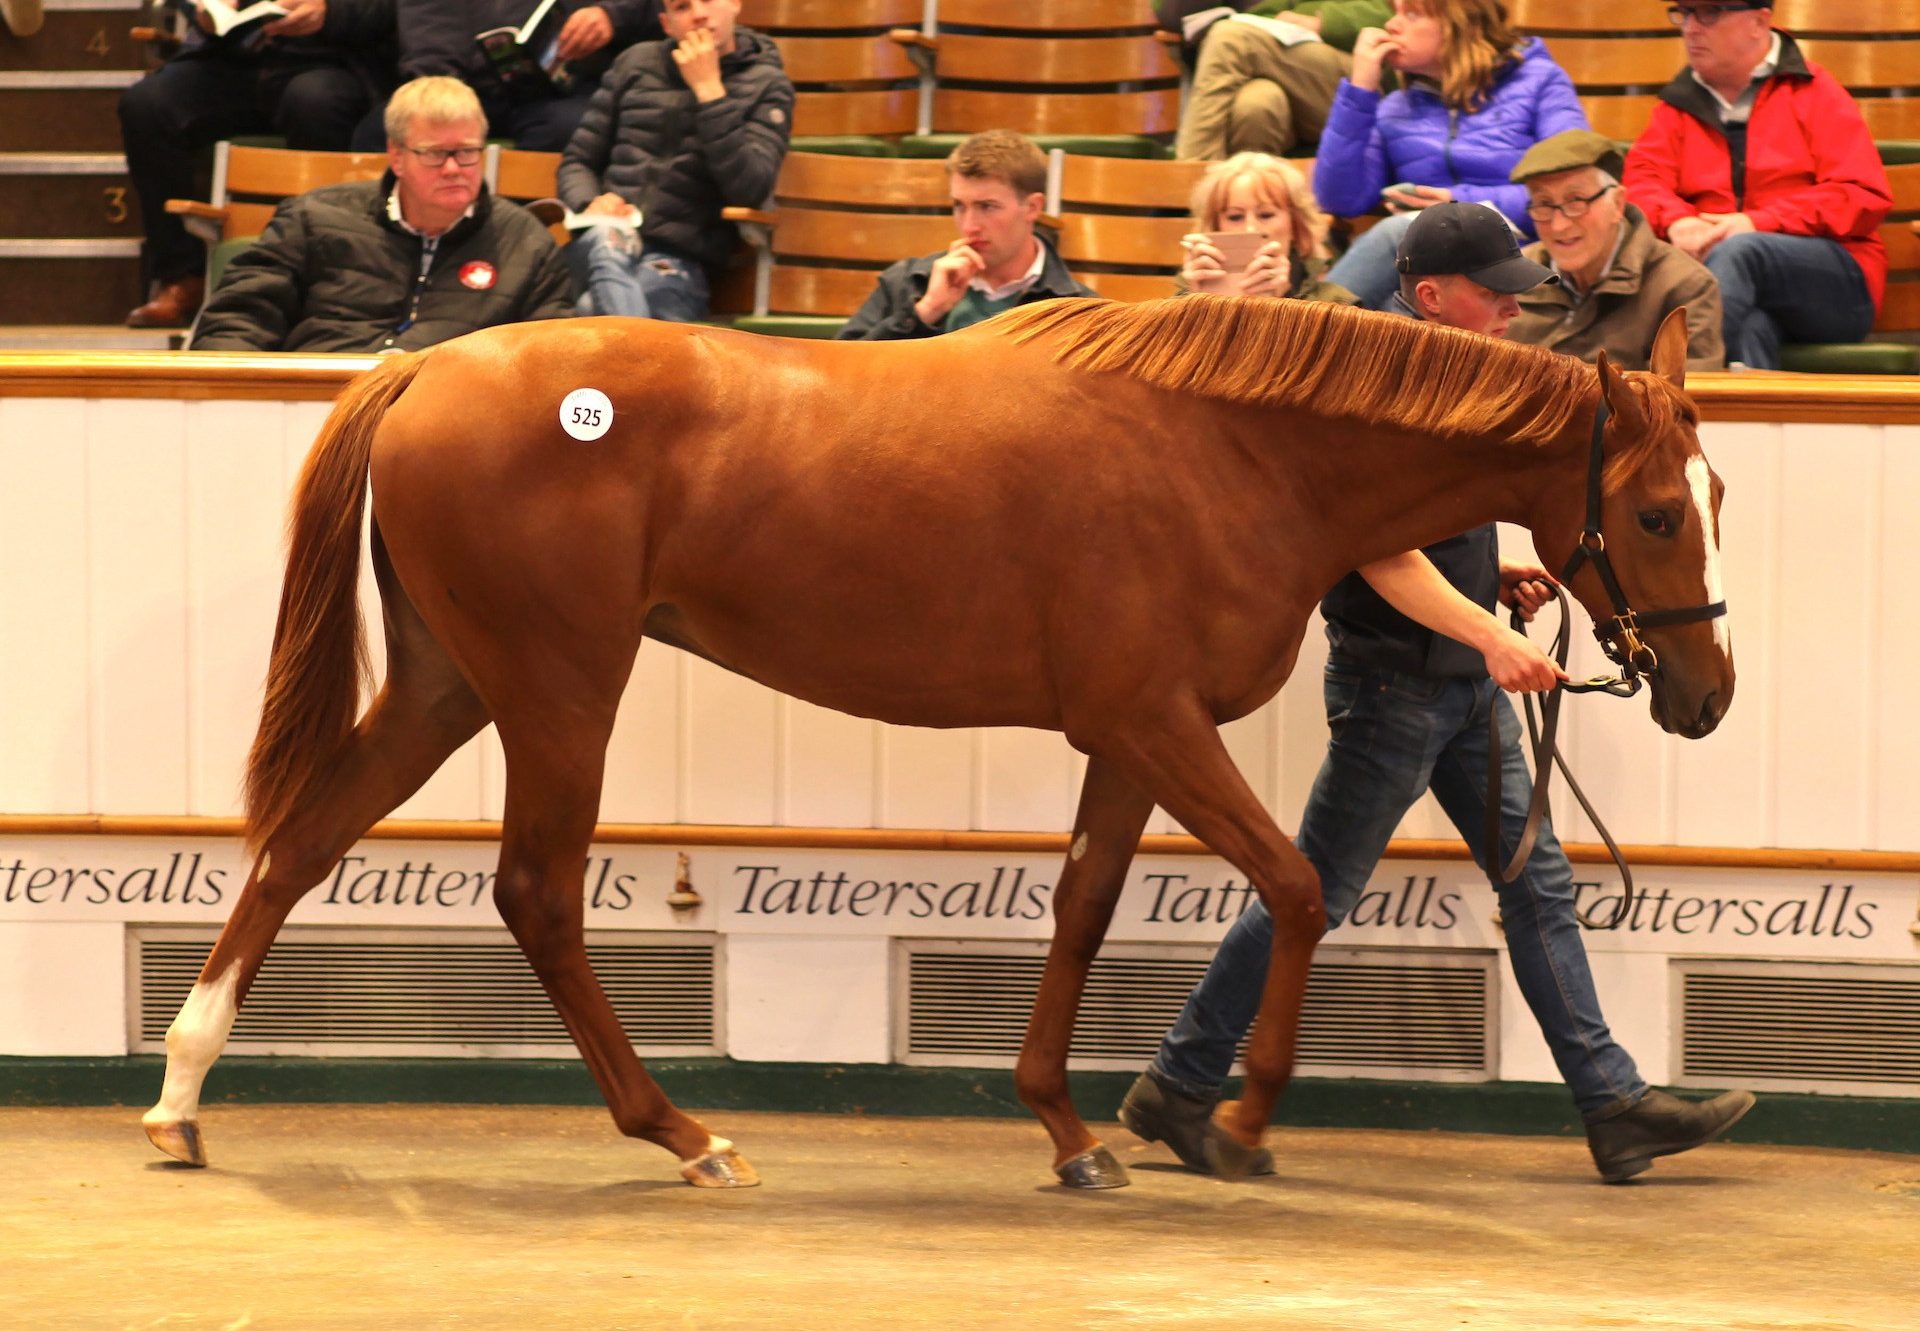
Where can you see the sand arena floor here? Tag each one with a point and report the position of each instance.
(408, 1216)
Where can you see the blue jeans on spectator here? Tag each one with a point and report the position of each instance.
(1366, 269)
(1776, 288)
(1394, 736)
(654, 283)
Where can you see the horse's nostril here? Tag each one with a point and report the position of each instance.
(1710, 711)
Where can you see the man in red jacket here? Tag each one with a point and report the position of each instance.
(1758, 164)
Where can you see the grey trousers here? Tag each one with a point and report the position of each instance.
(1251, 94)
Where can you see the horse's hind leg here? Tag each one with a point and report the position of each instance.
(554, 771)
(424, 712)
(1105, 833)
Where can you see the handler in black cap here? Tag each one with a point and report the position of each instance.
(1418, 659)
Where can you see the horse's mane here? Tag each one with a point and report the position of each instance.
(1335, 361)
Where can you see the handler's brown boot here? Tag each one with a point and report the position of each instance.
(1156, 1112)
(1660, 1124)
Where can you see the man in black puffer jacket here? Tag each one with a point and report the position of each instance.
(422, 255)
(679, 130)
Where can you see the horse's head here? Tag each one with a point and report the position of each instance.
(1660, 538)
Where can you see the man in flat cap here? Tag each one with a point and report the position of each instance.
(1757, 163)
(1617, 279)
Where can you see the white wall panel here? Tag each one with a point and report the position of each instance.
(137, 598)
(731, 741)
(63, 989)
(815, 1000)
(45, 754)
(1895, 725)
(149, 562)
(1828, 540)
(233, 551)
(1724, 785)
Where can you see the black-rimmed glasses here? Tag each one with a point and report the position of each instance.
(1706, 16)
(436, 158)
(1572, 208)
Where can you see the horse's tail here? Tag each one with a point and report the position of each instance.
(319, 663)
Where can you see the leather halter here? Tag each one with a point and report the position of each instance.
(1620, 640)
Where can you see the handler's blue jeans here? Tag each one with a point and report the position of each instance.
(1366, 269)
(1776, 288)
(655, 283)
(1394, 735)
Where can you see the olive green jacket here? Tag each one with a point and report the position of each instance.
(1621, 314)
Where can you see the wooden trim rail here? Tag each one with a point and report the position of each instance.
(921, 839)
(202, 375)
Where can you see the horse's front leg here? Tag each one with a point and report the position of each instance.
(1106, 832)
(1185, 767)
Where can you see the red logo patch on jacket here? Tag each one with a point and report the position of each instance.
(478, 274)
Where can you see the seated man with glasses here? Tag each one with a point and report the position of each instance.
(1617, 279)
(419, 256)
(1757, 163)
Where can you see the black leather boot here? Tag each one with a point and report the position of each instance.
(1660, 1124)
(1156, 1112)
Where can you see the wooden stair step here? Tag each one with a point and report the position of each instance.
(66, 195)
(91, 38)
(68, 281)
(62, 112)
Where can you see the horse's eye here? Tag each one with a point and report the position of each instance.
(1655, 523)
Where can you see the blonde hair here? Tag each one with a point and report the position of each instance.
(1478, 41)
(1275, 178)
(434, 100)
(1001, 154)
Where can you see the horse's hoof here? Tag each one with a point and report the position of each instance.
(722, 1167)
(1095, 1168)
(179, 1139)
(1232, 1158)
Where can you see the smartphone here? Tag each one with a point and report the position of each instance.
(1237, 249)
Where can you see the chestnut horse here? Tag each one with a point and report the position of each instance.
(1107, 520)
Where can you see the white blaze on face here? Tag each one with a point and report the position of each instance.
(1700, 481)
(194, 1041)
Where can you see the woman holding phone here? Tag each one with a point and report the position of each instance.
(1474, 95)
(1257, 232)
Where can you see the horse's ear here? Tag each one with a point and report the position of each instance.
(1620, 398)
(1669, 359)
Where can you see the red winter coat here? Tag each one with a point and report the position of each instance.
(1812, 168)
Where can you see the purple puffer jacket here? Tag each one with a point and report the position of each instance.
(1373, 141)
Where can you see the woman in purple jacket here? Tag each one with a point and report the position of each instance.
(1475, 95)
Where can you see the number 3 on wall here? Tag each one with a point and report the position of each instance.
(116, 203)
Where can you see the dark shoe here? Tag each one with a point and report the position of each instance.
(173, 304)
(1660, 1124)
(1158, 1113)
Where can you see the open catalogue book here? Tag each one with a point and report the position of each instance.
(228, 18)
(527, 59)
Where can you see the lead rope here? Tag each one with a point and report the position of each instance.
(1543, 733)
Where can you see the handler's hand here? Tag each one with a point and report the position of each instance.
(699, 62)
(952, 272)
(1524, 587)
(586, 31)
(1517, 665)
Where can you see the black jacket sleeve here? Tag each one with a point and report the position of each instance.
(745, 140)
(633, 21)
(549, 292)
(591, 146)
(261, 295)
(887, 315)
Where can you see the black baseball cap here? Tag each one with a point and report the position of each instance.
(1472, 240)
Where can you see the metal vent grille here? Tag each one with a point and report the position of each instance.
(1800, 1026)
(439, 993)
(1377, 1012)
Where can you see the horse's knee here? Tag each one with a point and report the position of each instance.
(1298, 908)
(535, 919)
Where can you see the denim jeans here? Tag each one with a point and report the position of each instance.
(1394, 736)
(1366, 269)
(655, 283)
(1776, 288)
